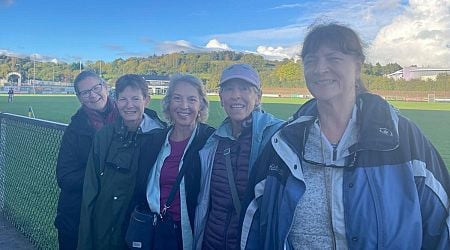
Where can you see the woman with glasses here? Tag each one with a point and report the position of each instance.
(112, 166)
(348, 171)
(96, 111)
(228, 158)
(171, 153)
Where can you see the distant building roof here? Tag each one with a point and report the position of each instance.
(409, 73)
(156, 77)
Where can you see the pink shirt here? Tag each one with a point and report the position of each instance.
(169, 173)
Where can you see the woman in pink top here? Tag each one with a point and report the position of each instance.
(185, 106)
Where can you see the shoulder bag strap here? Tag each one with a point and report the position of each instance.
(231, 183)
(173, 191)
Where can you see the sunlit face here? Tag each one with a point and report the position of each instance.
(131, 104)
(92, 93)
(331, 74)
(238, 99)
(184, 105)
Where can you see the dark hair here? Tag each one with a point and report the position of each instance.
(338, 37)
(197, 84)
(134, 81)
(83, 75)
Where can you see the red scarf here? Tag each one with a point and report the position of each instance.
(98, 119)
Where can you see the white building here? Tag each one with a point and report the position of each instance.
(410, 73)
(157, 84)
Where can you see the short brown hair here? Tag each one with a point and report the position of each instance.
(134, 81)
(338, 37)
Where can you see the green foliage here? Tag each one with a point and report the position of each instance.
(378, 70)
(208, 66)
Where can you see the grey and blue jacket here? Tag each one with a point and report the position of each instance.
(395, 187)
(264, 125)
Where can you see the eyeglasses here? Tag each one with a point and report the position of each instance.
(96, 89)
(350, 160)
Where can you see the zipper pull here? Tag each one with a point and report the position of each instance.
(155, 219)
(334, 152)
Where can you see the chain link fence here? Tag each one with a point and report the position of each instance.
(28, 188)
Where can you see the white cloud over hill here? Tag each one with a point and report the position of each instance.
(419, 36)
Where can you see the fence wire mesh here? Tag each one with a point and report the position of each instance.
(28, 188)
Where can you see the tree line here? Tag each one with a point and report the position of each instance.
(208, 67)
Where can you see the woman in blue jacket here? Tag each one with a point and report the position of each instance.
(228, 157)
(347, 171)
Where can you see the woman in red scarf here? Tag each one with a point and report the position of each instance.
(96, 110)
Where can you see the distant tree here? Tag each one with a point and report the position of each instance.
(209, 66)
(76, 66)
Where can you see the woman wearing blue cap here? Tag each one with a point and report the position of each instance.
(228, 157)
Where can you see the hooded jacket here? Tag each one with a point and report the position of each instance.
(109, 183)
(264, 126)
(395, 189)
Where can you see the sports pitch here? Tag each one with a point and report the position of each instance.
(432, 118)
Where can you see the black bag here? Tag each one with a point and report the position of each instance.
(166, 234)
(141, 230)
(151, 231)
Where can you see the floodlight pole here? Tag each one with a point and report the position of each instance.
(34, 68)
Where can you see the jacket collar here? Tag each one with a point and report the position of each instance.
(151, 121)
(260, 119)
(376, 118)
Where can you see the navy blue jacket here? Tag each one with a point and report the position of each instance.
(70, 168)
(396, 195)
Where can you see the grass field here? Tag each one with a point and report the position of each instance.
(27, 172)
(432, 118)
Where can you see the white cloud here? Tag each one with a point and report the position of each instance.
(42, 58)
(279, 53)
(288, 6)
(34, 56)
(268, 52)
(168, 47)
(271, 36)
(4, 52)
(366, 17)
(215, 44)
(420, 36)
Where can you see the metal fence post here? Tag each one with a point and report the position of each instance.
(2, 161)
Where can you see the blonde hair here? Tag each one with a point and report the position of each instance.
(197, 84)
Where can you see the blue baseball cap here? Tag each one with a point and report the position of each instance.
(241, 71)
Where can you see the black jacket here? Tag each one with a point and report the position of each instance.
(191, 161)
(70, 168)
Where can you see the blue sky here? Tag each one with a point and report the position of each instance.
(106, 30)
